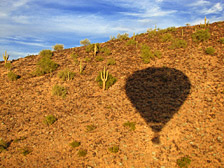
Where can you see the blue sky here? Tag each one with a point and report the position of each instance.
(29, 26)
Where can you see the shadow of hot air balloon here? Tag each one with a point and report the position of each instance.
(157, 93)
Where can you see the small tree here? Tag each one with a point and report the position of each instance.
(85, 42)
(58, 47)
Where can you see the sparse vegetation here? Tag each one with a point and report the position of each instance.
(108, 83)
(82, 152)
(75, 144)
(178, 43)
(8, 66)
(111, 61)
(114, 149)
(25, 151)
(99, 58)
(201, 35)
(59, 91)
(46, 53)
(158, 54)
(3, 145)
(45, 65)
(50, 119)
(124, 36)
(85, 42)
(19, 139)
(91, 47)
(105, 50)
(58, 47)
(130, 125)
(12, 76)
(184, 162)
(146, 54)
(131, 42)
(166, 37)
(5, 57)
(75, 58)
(90, 128)
(66, 75)
(221, 40)
(210, 50)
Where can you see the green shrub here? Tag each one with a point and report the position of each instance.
(82, 152)
(75, 144)
(66, 75)
(158, 54)
(146, 54)
(151, 33)
(75, 58)
(50, 119)
(8, 66)
(45, 65)
(166, 37)
(3, 145)
(131, 125)
(131, 42)
(178, 43)
(46, 53)
(114, 149)
(58, 47)
(201, 35)
(124, 36)
(222, 40)
(12, 76)
(90, 47)
(99, 58)
(90, 128)
(210, 50)
(110, 81)
(85, 42)
(111, 61)
(184, 162)
(59, 91)
(106, 51)
(25, 151)
(87, 59)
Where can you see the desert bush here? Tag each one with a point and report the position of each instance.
(158, 54)
(131, 42)
(75, 58)
(151, 32)
(146, 54)
(59, 91)
(112, 38)
(114, 149)
(99, 58)
(3, 145)
(50, 119)
(124, 36)
(90, 128)
(58, 47)
(85, 42)
(221, 40)
(75, 144)
(166, 37)
(201, 35)
(66, 75)
(184, 162)
(210, 50)
(131, 125)
(106, 51)
(111, 61)
(110, 80)
(12, 76)
(46, 53)
(82, 152)
(90, 47)
(178, 43)
(45, 65)
(8, 65)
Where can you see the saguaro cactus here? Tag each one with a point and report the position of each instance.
(104, 76)
(95, 49)
(5, 57)
(205, 21)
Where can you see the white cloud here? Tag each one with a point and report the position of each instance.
(218, 7)
(199, 3)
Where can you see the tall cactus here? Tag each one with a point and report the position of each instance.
(5, 57)
(95, 49)
(205, 21)
(104, 76)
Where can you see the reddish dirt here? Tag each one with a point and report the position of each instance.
(195, 128)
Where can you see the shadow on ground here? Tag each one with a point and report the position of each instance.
(157, 93)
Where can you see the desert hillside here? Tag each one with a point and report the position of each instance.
(164, 108)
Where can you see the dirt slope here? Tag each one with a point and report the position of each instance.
(176, 103)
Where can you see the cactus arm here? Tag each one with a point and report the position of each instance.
(5, 57)
(104, 76)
